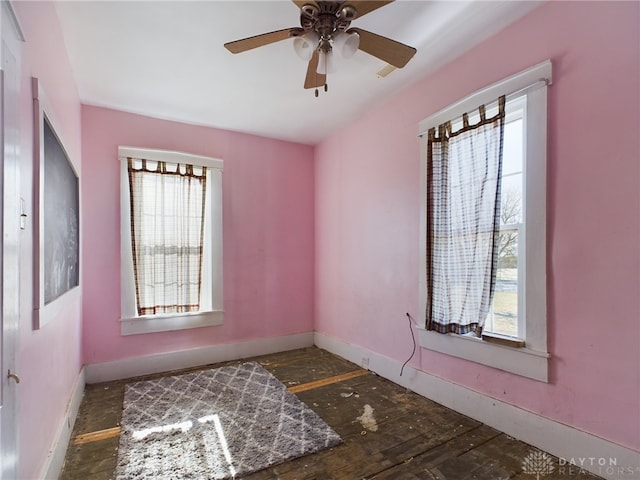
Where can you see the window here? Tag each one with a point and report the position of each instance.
(505, 329)
(171, 224)
(505, 320)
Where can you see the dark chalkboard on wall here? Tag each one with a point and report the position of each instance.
(56, 217)
(60, 217)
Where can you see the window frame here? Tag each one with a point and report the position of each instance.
(130, 322)
(530, 360)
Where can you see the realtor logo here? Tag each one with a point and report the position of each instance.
(538, 463)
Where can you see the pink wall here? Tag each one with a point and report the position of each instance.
(367, 217)
(268, 204)
(49, 359)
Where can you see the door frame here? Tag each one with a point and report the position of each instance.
(10, 75)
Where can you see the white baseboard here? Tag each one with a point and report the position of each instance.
(55, 459)
(591, 453)
(164, 362)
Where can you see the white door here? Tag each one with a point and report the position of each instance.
(10, 226)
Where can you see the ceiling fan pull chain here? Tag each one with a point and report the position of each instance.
(326, 87)
(316, 92)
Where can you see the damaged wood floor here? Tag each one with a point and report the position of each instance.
(388, 432)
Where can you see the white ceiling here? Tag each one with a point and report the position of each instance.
(166, 59)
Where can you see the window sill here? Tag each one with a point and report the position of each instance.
(521, 361)
(168, 323)
(504, 340)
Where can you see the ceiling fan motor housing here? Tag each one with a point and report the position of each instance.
(326, 19)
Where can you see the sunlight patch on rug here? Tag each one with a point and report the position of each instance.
(215, 424)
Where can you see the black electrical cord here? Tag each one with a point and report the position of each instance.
(414, 344)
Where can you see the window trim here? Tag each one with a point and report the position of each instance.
(130, 324)
(532, 360)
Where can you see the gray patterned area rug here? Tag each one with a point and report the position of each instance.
(215, 424)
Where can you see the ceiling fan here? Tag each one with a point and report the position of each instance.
(325, 27)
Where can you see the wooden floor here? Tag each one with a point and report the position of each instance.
(415, 438)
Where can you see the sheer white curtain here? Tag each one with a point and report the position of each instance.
(463, 218)
(167, 230)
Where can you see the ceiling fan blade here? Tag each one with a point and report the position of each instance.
(256, 41)
(365, 6)
(302, 3)
(390, 51)
(313, 78)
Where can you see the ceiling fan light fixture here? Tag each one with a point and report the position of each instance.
(310, 10)
(305, 45)
(326, 63)
(348, 13)
(347, 43)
